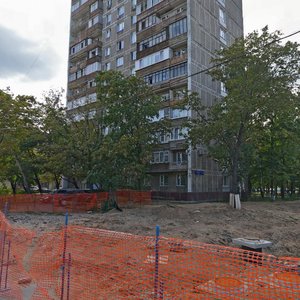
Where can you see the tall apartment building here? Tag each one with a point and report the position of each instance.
(165, 42)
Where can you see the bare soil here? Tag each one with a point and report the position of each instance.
(214, 223)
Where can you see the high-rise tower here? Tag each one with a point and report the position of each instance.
(165, 42)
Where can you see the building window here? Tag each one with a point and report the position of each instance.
(94, 52)
(107, 51)
(163, 180)
(108, 19)
(120, 45)
(178, 133)
(133, 56)
(120, 61)
(109, 4)
(120, 27)
(222, 18)
(96, 66)
(133, 4)
(223, 37)
(153, 58)
(166, 74)
(81, 45)
(180, 157)
(107, 66)
(75, 6)
(180, 180)
(179, 52)
(178, 28)
(147, 22)
(91, 83)
(163, 137)
(133, 19)
(160, 157)
(165, 97)
(121, 12)
(177, 113)
(108, 33)
(94, 6)
(133, 37)
(223, 90)
(146, 4)
(94, 21)
(152, 41)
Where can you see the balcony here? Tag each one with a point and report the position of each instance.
(161, 8)
(178, 166)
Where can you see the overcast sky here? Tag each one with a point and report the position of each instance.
(34, 39)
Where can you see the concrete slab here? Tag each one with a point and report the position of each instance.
(252, 243)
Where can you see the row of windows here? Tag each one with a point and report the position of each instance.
(77, 4)
(166, 74)
(82, 101)
(153, 58)
(180, 180)
(178, 28)
(152, 41)
(95, 20)
(94, 67)
(109, 4)
(146, 4)
(176, 134)
(171, 113)
(176, 94)
(81, 45)
(147, 22)
(162, 157)
(95, 5)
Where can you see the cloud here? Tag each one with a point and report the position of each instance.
(20, 57)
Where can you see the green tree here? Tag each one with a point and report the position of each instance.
(20, 135)
(55, 138)
(126, 107)
(260, 75)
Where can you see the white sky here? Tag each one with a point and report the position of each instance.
(34, 38)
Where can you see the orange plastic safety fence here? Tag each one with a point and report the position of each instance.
(81, 202)
(85, 263)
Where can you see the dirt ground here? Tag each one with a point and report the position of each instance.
(214, 223)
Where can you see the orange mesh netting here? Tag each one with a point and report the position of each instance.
(86, 263)
(80, 202)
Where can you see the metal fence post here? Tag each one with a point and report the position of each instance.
(64, 258)
(156, 276)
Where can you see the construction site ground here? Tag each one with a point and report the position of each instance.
(213, 223)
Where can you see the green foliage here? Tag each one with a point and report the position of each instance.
(256, 121)
(108, 141)
(125, 106)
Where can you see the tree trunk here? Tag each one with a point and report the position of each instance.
(292, 187)
(38, 182)
(57, 183)
(234, 183)
(262, 192)
(13, 186)
(282, 190)
(24, 177)
(75, 183)
(248, 187)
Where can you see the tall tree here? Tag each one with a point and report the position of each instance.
(20, 134)
(126, 106)
(260, 75)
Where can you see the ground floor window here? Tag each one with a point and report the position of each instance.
(163, 180)
(180, 180)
